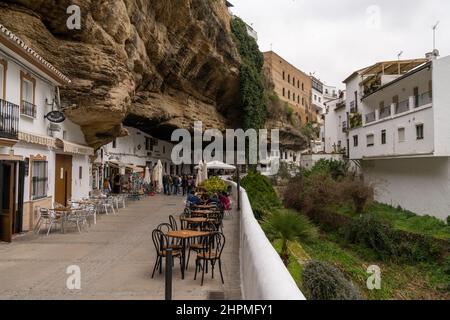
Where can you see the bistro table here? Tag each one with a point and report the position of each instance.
(203, 212)
(205, 206)
(183, 235)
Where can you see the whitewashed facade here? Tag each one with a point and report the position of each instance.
(49, 162)
(403, 144)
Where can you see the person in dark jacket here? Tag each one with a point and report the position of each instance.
(184, 184)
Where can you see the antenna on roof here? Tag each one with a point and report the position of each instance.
(434, 35)
(398, 57)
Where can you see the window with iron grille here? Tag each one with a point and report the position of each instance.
(39, 180)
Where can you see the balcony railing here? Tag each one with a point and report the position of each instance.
(9, 120)
(423, 99)
(370, 117)
(28, 109)
(385, 112)
(402, 106)
(353, 107)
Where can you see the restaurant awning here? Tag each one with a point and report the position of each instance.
(74, 148)
(218, 165)
(37, 139)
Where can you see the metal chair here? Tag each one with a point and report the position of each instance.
(161, 243)
(212, 252)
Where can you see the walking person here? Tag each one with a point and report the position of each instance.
(184, 184)
(169, 184)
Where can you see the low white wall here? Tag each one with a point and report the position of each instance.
(263, 274)
(420, 185)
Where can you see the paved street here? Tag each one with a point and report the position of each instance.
(116, 258)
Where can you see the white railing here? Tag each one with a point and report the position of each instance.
(263, 274)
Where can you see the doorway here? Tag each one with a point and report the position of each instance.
(12, 178)
(63, 179)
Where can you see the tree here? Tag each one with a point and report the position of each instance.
(288, 226)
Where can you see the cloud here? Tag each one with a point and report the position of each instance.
(334, 38)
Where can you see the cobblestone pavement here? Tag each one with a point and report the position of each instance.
(116, 258)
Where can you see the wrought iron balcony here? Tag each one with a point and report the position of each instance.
(28, 109)
(9, 120)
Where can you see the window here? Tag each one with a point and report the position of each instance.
(303, 101)
(114, 143)
(284, 92)
(27, 95)
(320, 99)
(355, 141)
(80, 173)
(401, 135)
(289, 94)
(39, 180)
(383, 136)
(326, 91)
(2, 79)
(293, 96)
(370, 140)
(289, 78)
(148, 144)
(315, 97)
(284, 75)
(419, 131)
(298, 99)
(298, 84)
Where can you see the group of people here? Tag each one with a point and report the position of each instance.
(176, 185)
(222, 198)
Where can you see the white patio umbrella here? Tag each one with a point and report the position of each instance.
(147, 177)
(198, 180)
(219, 165)
(204, 172)
(158, 176)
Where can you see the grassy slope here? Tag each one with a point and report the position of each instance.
(405, 220)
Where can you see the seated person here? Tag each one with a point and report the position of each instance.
(225, 200)
(214, 199)
(192, 199)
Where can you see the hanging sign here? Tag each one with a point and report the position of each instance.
(55, 116)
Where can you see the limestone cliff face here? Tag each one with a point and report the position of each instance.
(152, 64)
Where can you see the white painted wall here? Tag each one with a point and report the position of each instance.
(45, 90)
(441, 105)
(393, 147)
(421, 185)
(263, 274)
(333, 127)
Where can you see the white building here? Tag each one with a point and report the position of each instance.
(40, 162)
(317, 99)
(403, 139)
(336, 125)
(134, 153)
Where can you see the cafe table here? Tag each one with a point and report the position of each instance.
(205, 206)
(184, 235)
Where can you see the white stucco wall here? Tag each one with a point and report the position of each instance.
(441, 103)
(263, 274)
(420, 185)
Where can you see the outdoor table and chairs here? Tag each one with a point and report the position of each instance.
(185, 235)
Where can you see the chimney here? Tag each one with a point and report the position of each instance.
(432, 55)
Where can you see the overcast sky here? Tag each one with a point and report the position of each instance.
(334, 38)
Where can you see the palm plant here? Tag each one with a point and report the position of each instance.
(288, 226)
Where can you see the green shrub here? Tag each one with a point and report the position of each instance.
(370, 231)
(322, 281)
(355, 190)
(261, 194)
(448, 220)
(214, 185)
(337, 169)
